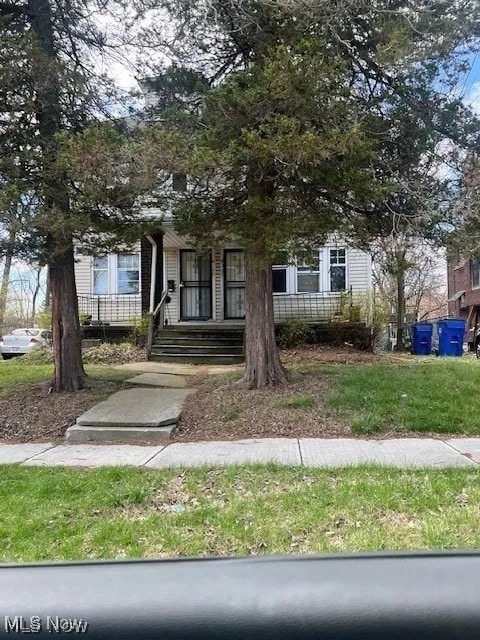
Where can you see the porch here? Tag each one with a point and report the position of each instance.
(125, 310)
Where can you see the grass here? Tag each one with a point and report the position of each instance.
(304, 402)
(14, 374)
(433, 395)
(69, 514)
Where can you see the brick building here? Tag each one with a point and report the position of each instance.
(464, 293)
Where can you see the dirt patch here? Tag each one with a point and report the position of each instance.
(33, 414)
(231, 412)
(318, 355)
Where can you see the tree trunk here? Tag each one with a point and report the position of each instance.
(262, 363)
(6, 276)
(35, 295)
(69, 373)
(48, 295)
(400, 260)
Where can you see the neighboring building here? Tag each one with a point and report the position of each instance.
(464, 293)
(210, 288)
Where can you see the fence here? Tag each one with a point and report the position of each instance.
(110, 308)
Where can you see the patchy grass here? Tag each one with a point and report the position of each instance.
(15, 373)
(338, 393)
(28, 412)
(68, 514)
(424, 395)
(298, 402)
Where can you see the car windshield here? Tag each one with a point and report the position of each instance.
(239, 277)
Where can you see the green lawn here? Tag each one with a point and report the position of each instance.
(14, 374)
(429, 395)
(68, 514)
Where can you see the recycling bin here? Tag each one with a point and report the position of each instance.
(421, 333)
(450, 337)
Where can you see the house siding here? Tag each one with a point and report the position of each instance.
(83, 274)
(358, 271)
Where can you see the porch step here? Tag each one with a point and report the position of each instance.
(199, 334)
(197, 358)
(211, 349)
(163, 339)
(199, 344)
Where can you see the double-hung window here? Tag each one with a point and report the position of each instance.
(116, 274)
(338, 269)
(309, 277)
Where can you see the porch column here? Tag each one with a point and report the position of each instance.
(146, 267)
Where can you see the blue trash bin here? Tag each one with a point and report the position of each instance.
(421, 338)
(450, 337)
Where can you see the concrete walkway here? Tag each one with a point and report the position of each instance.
(326, 453)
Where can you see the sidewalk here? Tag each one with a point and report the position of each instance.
(327, 453)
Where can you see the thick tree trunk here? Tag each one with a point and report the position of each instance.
(400, 260)
(7, 267)
(262, 363)
(69, 373)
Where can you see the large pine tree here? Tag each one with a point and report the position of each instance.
(298, 133)
(78, 177)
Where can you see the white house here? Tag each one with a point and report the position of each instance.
(210, 288)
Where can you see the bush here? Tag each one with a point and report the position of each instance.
(294, 333)
(39, 355)
(43, 319)
(140, 327)
(107, 353)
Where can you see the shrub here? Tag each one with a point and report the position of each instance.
(107, 353)
(43, 319)
(294, 333)
(39, 355)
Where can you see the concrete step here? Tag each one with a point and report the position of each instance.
(211, 349)
(131, 415)
(201, 358)
(83, 434)
(182, 340)
(201, 335)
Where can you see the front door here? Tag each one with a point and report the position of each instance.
(234, 284)
(195, 285)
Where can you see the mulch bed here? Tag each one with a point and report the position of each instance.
(33, 414)
(231, 412)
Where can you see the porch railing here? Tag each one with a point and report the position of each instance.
(324, 307)
(156, 319)
(110, 308)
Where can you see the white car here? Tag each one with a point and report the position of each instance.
(21, 341)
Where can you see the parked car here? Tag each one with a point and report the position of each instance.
(21, 341)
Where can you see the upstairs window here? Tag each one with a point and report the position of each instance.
(475, 272)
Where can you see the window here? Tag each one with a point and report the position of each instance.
(279, 272)
(308, 277)
(338, 270)
(179, 182)
(128, 273)
(100, 275)
(116, 274)
(279, 279)
(475, 272)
